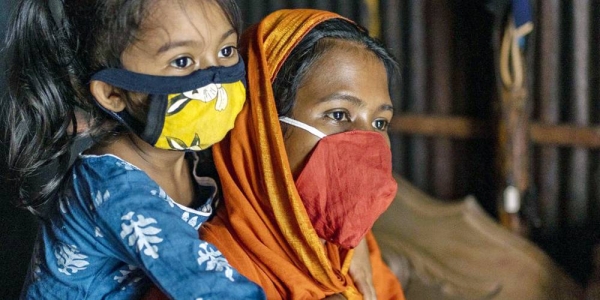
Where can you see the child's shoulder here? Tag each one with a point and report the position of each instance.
(107, 167)
(107, 173)
(105, 161)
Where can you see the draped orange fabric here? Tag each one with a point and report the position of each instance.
(264, 230)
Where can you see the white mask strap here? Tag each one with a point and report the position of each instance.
(306, 127)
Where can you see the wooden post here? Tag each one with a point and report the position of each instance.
(513, 127)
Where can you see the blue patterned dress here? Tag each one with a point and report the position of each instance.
(115, 231)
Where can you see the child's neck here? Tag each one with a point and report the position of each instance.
(169, 169)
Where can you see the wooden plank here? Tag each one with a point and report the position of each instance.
(565, 135)
(440, 126)
(468, 128)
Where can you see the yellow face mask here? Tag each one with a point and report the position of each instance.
(190, 112)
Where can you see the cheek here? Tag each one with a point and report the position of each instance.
(298, 146)
(137, 106)
(387, 139)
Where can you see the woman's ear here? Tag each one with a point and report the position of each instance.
(108, 96)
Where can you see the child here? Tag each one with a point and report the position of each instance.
(158, 80)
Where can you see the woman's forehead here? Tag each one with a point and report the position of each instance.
(345, 72)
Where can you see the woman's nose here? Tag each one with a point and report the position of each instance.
(363, 124)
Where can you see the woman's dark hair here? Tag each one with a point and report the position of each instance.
(53, 47)
(312, 47)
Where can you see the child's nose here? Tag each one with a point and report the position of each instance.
(207, 62)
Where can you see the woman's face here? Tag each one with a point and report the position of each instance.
(346, 89)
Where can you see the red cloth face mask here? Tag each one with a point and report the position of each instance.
(346, 184)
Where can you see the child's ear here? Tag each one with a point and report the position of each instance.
(108, 96)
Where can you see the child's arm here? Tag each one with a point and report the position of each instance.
(151, 232)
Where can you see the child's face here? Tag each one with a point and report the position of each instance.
(346, 89)
(179, 37)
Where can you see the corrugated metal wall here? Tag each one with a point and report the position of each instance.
(566, 92)
(446, 52)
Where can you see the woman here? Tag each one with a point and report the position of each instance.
(266, 229)
(306, 67)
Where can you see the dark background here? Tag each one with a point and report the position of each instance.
(17, 227)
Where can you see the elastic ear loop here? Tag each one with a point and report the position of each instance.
(306, 127)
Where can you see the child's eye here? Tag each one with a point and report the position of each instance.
(381, 124)
(227, 52)
(339, 116)
(182, 62)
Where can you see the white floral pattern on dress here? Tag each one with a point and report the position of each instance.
(214, 260)
(130, 274)
(101, 198)
(98, 233)
(162, 195)
(141, 234)
(191, 221)
(36, 261)
(69, 259)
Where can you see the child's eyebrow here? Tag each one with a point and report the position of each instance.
(170, 45)
(227, 34)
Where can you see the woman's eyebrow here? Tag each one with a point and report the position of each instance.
(354, 100)
(387, 107)
(340, 96)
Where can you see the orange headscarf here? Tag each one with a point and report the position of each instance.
(263, 229)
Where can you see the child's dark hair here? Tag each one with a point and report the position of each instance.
(312, 47)
(53, 47)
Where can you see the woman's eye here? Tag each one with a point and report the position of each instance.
(227, 51)
(340, 116)
(182, 62)
(381, 125)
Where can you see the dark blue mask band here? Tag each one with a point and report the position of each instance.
(164, 85)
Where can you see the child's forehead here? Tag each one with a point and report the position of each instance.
(193, 20)
(185, 14)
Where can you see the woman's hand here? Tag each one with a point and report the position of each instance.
(361, 272)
